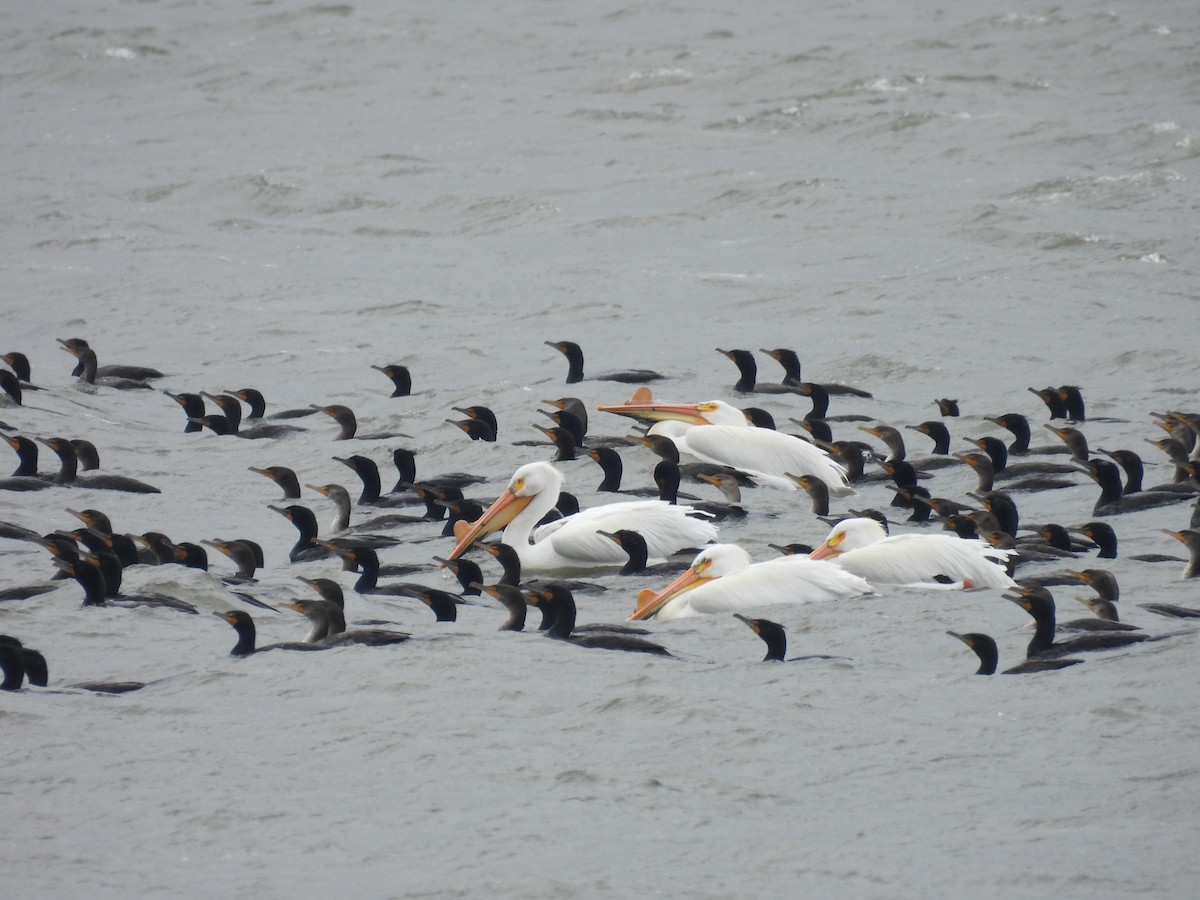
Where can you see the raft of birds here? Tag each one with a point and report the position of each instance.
(667, 536)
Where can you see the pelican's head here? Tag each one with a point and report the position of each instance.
(529, 481)
(711, 563)
(849, 534)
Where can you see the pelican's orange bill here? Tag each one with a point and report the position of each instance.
(642, 405)
(499, 514)
(650, 602)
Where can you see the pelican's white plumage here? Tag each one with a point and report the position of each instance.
(716, 432)
(573, 542)
(861, 546)
(723, 579)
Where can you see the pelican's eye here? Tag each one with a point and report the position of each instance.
(837, 539)
(517, 485)
(703, 564)
(706, 407)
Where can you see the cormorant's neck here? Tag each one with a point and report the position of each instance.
(776, 641)
(92, 582)
(820, 400)
(748, 369)
(1043, 637)
(666, 476)
(27, 456)
(639, 553)
(245, 642)
(13, 665)
(1021, 435)
(369, 579)
(790, 361)
(406, 466)
(371, 483)
(564, 619)
(941, 438)
(574, 357)
(69, 464)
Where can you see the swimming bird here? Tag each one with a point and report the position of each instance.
(513, 599)
(25, 477)
(475, 429)
(1039, 603)
(405, 461)
(341, 518)
(1113, 500)
(1190, 538)
(100, 579)
(365, 561)
(257, 404)
(1133, 467)
(510, 564)
(246, 645)
(305, 520)
(329, 627)
(667, 476)
(562, 625)
(368, 473)
(989, 657)
(790, 360)
(639, 555)
(574, 355)
(563, 441)
(467, 571)
(775, 637)
(245, 554)
(118, 376)
(400, 377)
(19, 662)
(716, 432)
(860, 545)
(723, 578)
(11, 386)
(348, 424)
(19, 363)
(68, 472)
(284, 477)
(572, 542)
(231, 411)
(748, 371)
(193, 409)
(1018, 426)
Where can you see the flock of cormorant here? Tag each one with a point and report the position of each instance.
(671, 538)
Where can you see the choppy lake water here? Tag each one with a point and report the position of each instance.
(924, 201)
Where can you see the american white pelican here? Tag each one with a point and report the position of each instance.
(728, 439)
(723, 579)
(573, 542)
(862, 546)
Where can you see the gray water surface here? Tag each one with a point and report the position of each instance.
(961, 201)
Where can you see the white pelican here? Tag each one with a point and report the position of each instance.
(728, 439)
(723, 579)
(573, 542)
(862, 546)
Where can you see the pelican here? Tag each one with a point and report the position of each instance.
(861, 546)
(723, 579)
(728, 439)
(573, 542)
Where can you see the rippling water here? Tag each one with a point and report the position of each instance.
(926, 202)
